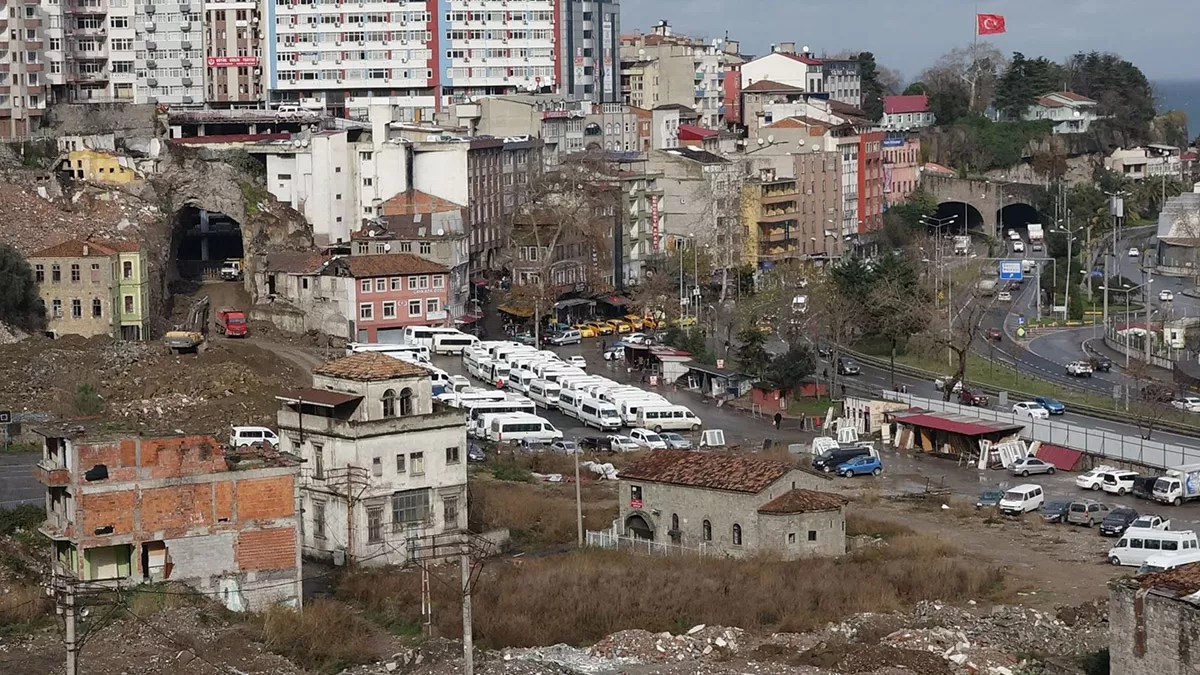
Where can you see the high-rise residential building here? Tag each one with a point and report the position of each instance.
(663, 68)
(589, 42)
(233, 52)
(170, 52)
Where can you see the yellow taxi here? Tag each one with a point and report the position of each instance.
(601, 328)
(685, 321)
(636, 321)
(585, 330)
(649, 323)
(621, 325)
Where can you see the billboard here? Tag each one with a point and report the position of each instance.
(231, 61)
(1011, 270)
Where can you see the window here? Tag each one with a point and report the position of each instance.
(406, 409)
(426, 247)
(380, 285)
(400, 463)
(129, 304)
(812, 535)
(416, 461)
(76, 309)
(318, 520)
(414, 308)
(431, 305)
(75, 273)
(55, 273)
(366, 312)
(39, 273)
(375, 525)
(791, 537)
(737, 534)
(635, 495)
(396, 285)
(367, 182)
(56, 309)
(450, 511)
(127, 270)
(389, 309)
(706, 531)
(97, 308)
(409, 508)
(406, 247)
(674, 522)
(439, 281)
(377, 466)
(412, 283)
(389, 403)
(318, 461)
(365, 286)
(452, 455)
(422, 282)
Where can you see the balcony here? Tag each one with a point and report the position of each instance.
(84, 8)
(33, 45)
(51, 474)
(33, 67)
(778, 196)
(778, 216)
(778, 234)
(33, 22)
(100, 54)
(84, 78)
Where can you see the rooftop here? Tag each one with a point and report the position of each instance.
(894, 105)
(322, 398)
(390, 264)
(771, 85)
(958, 424)
(802, 58)
(295, 262)
(84, 248)
(369, 367)
(415, 201)
(1179, 582)
(803, 501)
(735, 473)
(696, 155)
(696, 132)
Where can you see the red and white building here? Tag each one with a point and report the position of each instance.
(902, 113)
(395, 290)
(839, 78)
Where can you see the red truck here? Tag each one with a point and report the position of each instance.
(232, 322)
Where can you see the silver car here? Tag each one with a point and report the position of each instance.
(676, 441)
(1030, 465)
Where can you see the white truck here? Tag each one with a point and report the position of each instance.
(962, 244)
(1179, 485)
(987, 287)
(1036, 236)
(1150, 521)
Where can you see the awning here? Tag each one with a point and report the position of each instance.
(1063, 459)
(468, 318)
(959, 424)
(615, 300)
(479, 281)
(572, 302)
(711, 370)
(318, 397)
(516, 311)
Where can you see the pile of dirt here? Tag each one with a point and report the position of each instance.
(44, 222)
(142, 386)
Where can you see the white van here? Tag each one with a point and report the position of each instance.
(1169, 561)
(239, 436)
(423, 335)
(449, 343)
(518, 427)
(1136, 546)
(554, 375)
(1022, 499)
(420, 352)
(629, 407)
(544, 393)
(669, 417)
(596, 413)
(478, 410)
(616, 393)
(568, 402)
(518, 381)
(1118, 482)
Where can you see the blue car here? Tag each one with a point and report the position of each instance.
(1052, 405)
(861, 465)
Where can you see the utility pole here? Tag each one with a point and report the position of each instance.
(468, 647)
(578, 499)
(1116, 208)
(64, 594)
(1067, 290)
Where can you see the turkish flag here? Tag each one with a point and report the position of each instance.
(989, 24)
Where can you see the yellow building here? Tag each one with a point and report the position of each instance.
(94, 287)
(99, 167)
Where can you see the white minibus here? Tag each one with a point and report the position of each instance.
(449, 343)
(518, 427)
(600, 414)
(669, 417)
(544, 393)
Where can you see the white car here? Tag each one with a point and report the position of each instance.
(1079, 369)
(636, 339)
(1018, 246)
(648, 439)
(940, 384)
(621, 443)
(1093, 479)
(1032, 409)
(578, 361)
(1166, 296)
(1134, 252)
(1012, 234)
(1188, 403)
(1004, 296)
(1118, 482)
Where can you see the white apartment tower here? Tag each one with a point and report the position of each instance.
(170, 52)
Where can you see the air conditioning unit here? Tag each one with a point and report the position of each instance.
(151, 64)
(149, 26)
(187, 81)
(292, 81)
(339, 80)
(187, 99)
(186, 63)
(151, 46)
(184, 8)
(150, 9)
(337, 42)
(361, 24)
(186, 44)
(185, 26)
(404, 42)
(151, 82)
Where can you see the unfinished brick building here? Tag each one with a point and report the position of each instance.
(129, 510)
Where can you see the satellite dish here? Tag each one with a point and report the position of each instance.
(801, 142)
(760, 141)
(441, 232)
(387, 248)
(771, 138)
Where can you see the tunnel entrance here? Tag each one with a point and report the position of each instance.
(1017, 217)
(201, 242)
(963, 214)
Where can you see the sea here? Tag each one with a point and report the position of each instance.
(1180, 95)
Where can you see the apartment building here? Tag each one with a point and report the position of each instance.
(234, 39)
(902, 113)
(169, 41)
(556, 120)
(125, 510)
(94, 287)
(901, 168)
(589, 44)
(664, 68)
(839, 78)
(385, 464)
(25, 63)
(613, 127)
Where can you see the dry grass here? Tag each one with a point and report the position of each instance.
(23, 603)
(540, 515)
(858, 524)
(579, 597)
(327, 637)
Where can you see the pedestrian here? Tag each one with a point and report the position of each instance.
(603, 345)
(843, 391)
(904, 389)
(778, 420)
(825, 374)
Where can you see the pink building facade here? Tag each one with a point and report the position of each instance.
(901, 168)
(397, 290)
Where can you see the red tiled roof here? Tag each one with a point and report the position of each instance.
(389, 264)
(691, 132)
(1063, 459)
(958, 424)
(933, 167)
(801, 58)
(894, 105)
(1071, 96)
(1183, 580)
(771, 85)
(415, 201)
(74, 248)
(369, 367)
(706, 470)
(797, 122)
(803, 501)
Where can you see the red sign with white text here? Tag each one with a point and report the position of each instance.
(654, 223)
(231, 61)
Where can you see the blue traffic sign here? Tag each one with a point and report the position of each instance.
(1021, 320)
(1011, 270)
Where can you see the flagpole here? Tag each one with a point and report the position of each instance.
(974, 59)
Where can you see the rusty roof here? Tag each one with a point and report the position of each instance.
(295, 262)
(318, 397)
(803, 501)
(415, 201)
(737, 473)
(369, 367)
(770, 85)
(1181, 581)
(390, 264)
(75, 248)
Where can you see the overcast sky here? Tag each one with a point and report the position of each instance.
(1156, 35)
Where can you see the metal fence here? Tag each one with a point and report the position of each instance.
(1092, 441)
(614, 540)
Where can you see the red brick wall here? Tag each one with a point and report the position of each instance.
(224, 501)
(177, 508)
(265, 498)
(267, 549)
(186, 456)
(110, 508)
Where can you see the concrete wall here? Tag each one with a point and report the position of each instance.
(788, 535)
(326, 306)
(1151, 634)
(442, 172)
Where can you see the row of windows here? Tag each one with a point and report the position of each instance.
(356, 55)
(415, 282)
(369, 17)
(424, 247)
(409, 509)
(39, 272)
(366, 310)
(56, 308)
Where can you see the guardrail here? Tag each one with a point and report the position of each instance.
(1090, 411)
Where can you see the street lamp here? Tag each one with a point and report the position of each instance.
(937, 224)
(1126, 289)
(1070, 238)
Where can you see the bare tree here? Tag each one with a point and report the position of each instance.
(977, 66)
(958, 332)
(896, 312)
(1147, 407)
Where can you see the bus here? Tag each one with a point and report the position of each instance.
(395, 351)
(477, 409)
(448, 343)
(423, 335)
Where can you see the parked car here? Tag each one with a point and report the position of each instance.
(1101, 364)
(615, 353)
(940, 384)
(1134, 252)
(601, 328)
(1052, 405)
(1032, 409)
(585, 330)
(1143, 487)
(578, 361)
(621, 443)
(1118, 482)
(1087, 512)
(566, 337)
(1166, 296)
(526, 339)
(1093, 479)
(647, 439)
(565, 446)
(1188, 403)
(676, 441)
(475, 454)
(995, 334)
(239, 436)
(1029, 465)
(860, 466)
(1056, 512)
(1022, 499)
(989, 498)
(1079, 369)
(621, 325)
(847, 366)
(973, 397)
(832, 458)
(1117, 521)
(637, 339)
(1150, 521)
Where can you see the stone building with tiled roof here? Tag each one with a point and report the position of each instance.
(94, 287)
(385, 463)
(733, 505)
(1153, 622)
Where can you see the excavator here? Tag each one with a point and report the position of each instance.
(190, 337)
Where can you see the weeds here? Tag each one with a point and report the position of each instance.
(858, 524)
(88, 401)
(539, 515)
(512, 472)
(24, 517)
(23, 608)
(327, 637)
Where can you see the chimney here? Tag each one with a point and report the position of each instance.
(662, 28)
(787, 47)
(772, 47)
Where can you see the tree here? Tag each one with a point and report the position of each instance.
(790, 369)
(898, 311)
(916, 88)
(1023, 81)
(962, 332)
(20, 305)
(872, 89)
(752, 355)
(1122, 91)
(964, 71)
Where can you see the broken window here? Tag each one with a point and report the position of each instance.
(406, 406)
(374, 524)
(452, 455)
(98, 472)
(377, 467)
(129, 304)
(97, 308)
(127, 270)
(318, 520)
(417, 463)
(410, 508)
(318, 461)
(156, 563)
(55, 273)
(56, 309)
(812, 535)
(707, 531)
(106, 529)
(400, 463)
(39, 273)
(76, 308)
(791, 537)
(450, 512)
(108, 562)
